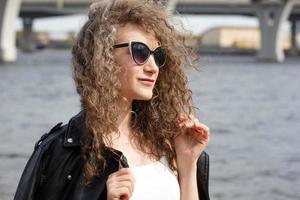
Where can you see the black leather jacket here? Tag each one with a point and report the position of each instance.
(53, 171)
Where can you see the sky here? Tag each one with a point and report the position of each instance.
(197, 24)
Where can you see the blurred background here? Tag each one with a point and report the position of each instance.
(247, 90)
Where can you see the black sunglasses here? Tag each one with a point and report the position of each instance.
(140, 53)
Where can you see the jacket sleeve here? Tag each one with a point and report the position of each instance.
(203, 176)
(31, 175)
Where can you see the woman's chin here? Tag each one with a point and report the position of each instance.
(144, 97)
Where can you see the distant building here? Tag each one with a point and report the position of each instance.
(43, 39)
(235, 37)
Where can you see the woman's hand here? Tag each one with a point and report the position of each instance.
(120, 185)
(190, 141)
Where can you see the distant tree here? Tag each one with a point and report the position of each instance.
(60, 4)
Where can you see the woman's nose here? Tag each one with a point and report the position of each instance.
(150, 65)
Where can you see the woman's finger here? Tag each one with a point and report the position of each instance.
(118, 189)
(123, 193)
(121, 179)
(187, 123)
(120, 184)
(123, 171)
(201, 134)
(126, 184)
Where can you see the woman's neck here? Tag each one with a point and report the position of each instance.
(123, 124)
(124, 119)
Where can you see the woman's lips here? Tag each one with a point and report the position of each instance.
(146, 81)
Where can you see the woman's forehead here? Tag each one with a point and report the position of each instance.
(136, 32)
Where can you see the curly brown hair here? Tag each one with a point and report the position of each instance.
(95, 75)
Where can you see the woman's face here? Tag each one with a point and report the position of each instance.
(137, 81)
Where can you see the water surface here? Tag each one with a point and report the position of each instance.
(252, 109)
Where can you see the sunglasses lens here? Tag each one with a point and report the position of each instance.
(140, 53)
(160, 57)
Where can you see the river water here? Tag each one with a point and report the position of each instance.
(252, 109)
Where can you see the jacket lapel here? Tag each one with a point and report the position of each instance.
(114, 160)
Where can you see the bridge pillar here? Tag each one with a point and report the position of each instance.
(9, 11)
(171, 6)
(271, 19)
(294, 45)
(27, 43)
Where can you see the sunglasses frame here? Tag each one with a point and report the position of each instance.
(129, 45)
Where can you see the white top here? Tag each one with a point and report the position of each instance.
(155, 181)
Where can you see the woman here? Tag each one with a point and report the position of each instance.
(136, 136)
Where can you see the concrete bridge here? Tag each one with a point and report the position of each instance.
(272, 14)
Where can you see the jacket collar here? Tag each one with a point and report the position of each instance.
(74, 132)
(74, 135)
(73, 138)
